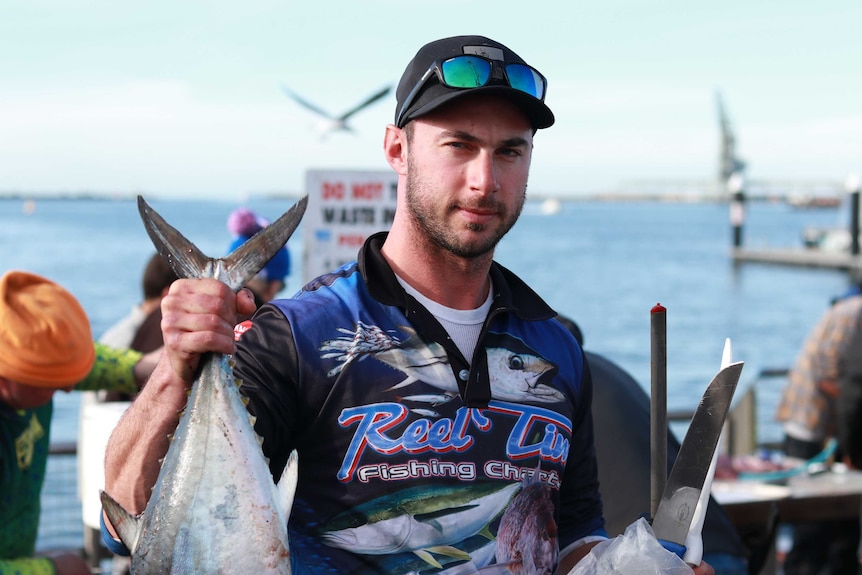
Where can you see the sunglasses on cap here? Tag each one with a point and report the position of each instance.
(470, 71)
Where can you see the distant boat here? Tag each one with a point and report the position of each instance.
(830, 239)
(827, 239)
(806, 202)
(550, 206)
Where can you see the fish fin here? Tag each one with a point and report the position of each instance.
(450, 551)
(236, 269)
(427, 558)
(486, 533)
(287, 484)
(127, 526)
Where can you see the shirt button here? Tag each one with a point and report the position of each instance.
(463, 374)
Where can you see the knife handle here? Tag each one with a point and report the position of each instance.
(673, 547)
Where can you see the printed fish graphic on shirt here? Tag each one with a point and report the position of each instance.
(516, 371)
(478, 548)
(423, 520)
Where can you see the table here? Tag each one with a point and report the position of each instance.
(833, 494)
(755, 506)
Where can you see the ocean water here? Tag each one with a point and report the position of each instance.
(603, 264)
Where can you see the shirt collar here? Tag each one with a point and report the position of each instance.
(510, 292)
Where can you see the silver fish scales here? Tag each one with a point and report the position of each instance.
(214, 507)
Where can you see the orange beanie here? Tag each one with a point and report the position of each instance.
(45, 337)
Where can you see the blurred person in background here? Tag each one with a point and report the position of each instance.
(141, 329)
(272, 279)
(808, 412)
(849, 411)
(46, 346)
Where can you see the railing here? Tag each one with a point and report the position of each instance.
(756, 402)
(61, 525)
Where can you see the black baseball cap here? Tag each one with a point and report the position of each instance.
(414, 100)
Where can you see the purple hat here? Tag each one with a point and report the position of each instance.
(243, 222)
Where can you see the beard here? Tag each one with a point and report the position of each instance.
(432, 220)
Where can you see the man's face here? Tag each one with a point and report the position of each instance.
(19, 396)
(468, 164)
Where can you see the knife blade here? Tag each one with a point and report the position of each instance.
(685, 483)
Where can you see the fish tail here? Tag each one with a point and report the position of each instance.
(236, 269)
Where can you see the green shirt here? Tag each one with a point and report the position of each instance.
(24, 445)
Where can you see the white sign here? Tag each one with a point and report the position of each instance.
(344, 208)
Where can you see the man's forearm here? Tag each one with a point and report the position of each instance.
(141, 439)
(568, 562)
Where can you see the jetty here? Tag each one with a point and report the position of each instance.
(800, 257)
(847, 258)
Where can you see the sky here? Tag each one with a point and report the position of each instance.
(185, 98)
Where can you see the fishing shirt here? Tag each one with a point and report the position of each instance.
(24, 445)
(808, 402)
(411, 457)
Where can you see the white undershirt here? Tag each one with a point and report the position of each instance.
(462, 325)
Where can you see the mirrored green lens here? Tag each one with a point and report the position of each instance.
(526, 79)
(466, 72)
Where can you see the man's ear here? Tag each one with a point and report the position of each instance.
(395, 148)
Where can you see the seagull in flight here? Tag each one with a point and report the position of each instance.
(330, 123)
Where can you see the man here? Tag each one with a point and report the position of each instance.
(45, 346)
(140, 329)
(849, 411)
(427, 389)
(808, 413)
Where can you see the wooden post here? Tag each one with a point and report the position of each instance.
(658, 405)
(736, 187)
(852, 186)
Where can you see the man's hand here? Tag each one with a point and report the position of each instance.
(198, 316)
(703, 569)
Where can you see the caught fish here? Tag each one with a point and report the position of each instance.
(214, 507)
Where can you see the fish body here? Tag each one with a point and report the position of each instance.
(214, 507)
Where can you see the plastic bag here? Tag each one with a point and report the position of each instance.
(635, 552)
